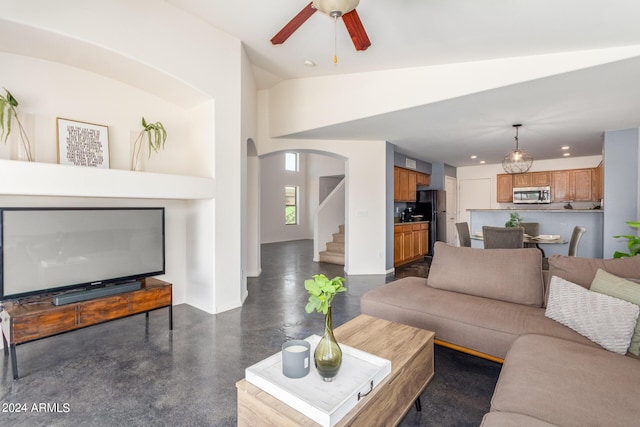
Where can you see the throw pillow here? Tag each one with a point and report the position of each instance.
(582, 270)
(608, 284)
(606, 320)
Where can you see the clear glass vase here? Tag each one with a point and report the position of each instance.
(328, 355)
(21, 139)
(139, 151)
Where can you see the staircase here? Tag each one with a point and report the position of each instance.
(335, 249)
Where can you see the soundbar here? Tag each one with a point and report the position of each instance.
(95, 293)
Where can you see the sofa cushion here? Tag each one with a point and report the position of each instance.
(509, 419)
(605, 320)
(568, 384)
(581, 271)
(485, 325)
(512, 275)
(609, 284)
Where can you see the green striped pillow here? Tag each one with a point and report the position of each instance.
(617, 287)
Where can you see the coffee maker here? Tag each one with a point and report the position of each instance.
(407, 214)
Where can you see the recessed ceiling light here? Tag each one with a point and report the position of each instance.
(474, 157)
(566, 147)
(482, 162)
(566, 154)
(309, 63)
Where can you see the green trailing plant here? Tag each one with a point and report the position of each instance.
(8, 112)
(322, 291)
(156, 137)
(633, 242)
(514, 220)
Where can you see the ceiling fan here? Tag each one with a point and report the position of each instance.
(336, 9)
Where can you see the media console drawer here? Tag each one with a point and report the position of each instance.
(36, 319)
(92, 312)
(39, 325)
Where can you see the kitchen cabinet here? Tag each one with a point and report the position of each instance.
(596, 183)
(423, 178)
(521, 180)
(405, 182)
(410, 242)
(560, 188)
(577, 185)
(540, 179)
(505, 188)
(531, 179)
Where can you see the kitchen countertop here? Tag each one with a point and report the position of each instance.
(411, 222)
(539, 210)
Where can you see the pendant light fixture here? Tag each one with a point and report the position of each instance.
(517, 161)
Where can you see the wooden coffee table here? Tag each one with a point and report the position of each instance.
(410, 351)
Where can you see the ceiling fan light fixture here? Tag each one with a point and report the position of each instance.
(335, 8)
(517, 161)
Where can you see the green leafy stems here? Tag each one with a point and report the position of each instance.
(156, 137)
(633, 242)
(8, 105)
(514, 220)
(322, 291)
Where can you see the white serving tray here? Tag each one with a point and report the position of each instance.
(324, 402)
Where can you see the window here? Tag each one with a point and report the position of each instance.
(291, 162)
(290, 205)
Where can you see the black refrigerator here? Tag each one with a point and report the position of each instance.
(433, 205)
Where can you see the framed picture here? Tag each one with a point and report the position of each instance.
(82, 144)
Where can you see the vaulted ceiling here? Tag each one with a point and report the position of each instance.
(572, 108)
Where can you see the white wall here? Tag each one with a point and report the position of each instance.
(83, 35)
(372, 93)
(273, 179)
(49, 90)
(319, 165)
(365, 190)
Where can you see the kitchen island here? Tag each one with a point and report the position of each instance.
(552, 221)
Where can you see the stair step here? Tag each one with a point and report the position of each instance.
(338, 238)
(337, 247)
(341, 229)
(332, 257)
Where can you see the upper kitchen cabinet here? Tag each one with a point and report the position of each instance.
(405, 183)
(577, 185)
(423, 178)
(531, 179)
(505, 188)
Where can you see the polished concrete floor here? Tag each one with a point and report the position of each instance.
(133, 372)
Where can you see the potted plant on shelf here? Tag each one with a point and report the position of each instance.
(156, 138)
(8, 111)
(633, 242)
(328, 355)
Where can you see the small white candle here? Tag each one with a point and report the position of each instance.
(296, 349)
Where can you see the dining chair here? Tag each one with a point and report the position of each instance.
(578, 231)
(532, 229)
(463, 234)
(503, 237)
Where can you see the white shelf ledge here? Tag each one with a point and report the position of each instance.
(46, 179)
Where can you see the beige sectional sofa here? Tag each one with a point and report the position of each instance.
(492, 303)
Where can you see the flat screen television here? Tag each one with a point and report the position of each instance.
(46, 250)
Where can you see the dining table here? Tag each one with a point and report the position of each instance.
(553, 239)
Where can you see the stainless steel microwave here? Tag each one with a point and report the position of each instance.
(532, 195)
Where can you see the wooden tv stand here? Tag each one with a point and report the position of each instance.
(32, 319)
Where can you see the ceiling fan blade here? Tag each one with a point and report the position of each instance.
(293, 25)
(356, 30)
